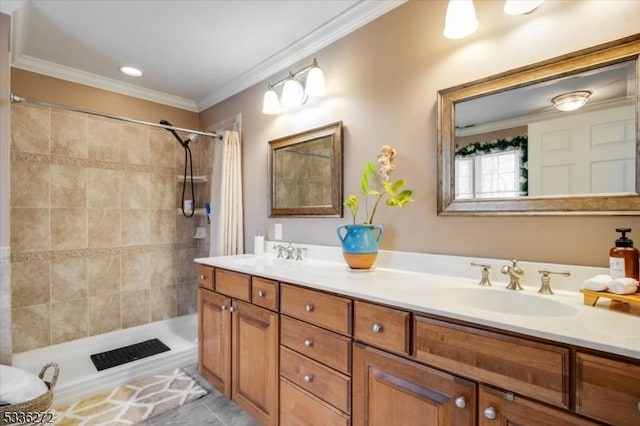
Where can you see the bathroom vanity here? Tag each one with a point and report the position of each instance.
(311, 342)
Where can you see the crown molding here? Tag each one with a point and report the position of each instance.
(357, 16)
(62, 72)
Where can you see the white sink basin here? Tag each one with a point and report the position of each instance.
(504, 301)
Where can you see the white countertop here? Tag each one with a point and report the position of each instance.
(571, 321)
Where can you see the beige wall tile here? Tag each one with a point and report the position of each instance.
(136, 225)
(30, 283)
(104, 228)
(31, 327)
(68, 186)
(162, 148)
(104, 314)
(163, 272)
(69, 320)
(163, 303)
(135, 308)
(134, 144)
(163, 226)
(185, 268)
(29, 184)
(68, 229)
(103, 139)
(103, 274)
(187, 294)
(135, 190)
(29, 229)
(135, 271)
(162, 191)
(30, 128)
(68, 279)
(68, 134)
(103, 189)
(185, 228)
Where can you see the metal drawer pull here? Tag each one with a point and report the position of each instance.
(461, 402)
(308, 378)
(309, 307)
(490, 413)
(223, 308)
(202, 277)
(308, 343)
(261, 293)
(377, 328)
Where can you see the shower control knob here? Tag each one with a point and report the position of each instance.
(490, 413)
(308, 378)
(309, 307)
(261, 293)
(308, 343)
(461, 402)
(377, 328)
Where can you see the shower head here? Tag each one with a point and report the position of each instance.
(175, 134)
(192, 137)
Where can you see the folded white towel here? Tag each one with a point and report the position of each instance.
(17, 385)
(623, 286)
(597, 283)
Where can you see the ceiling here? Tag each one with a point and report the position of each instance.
(194, 54)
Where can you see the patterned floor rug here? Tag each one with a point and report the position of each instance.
(132, 404)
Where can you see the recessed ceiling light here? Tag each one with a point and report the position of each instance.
(131, 71)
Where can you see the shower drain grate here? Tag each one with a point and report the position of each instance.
(126, 354)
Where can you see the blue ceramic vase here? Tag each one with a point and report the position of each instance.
(360, 244)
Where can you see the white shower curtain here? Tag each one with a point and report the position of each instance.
(227, 236)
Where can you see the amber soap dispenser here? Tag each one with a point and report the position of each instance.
(623, 258)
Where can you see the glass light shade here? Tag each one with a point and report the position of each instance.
(461, 19)
(521, 7)
(315, 82)
(292, 93)
(270, 102)
(571, 101)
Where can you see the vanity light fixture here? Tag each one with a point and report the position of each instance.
(460, 20)
(293, 94)
(131, 71)
(571, 101)
(521, 7)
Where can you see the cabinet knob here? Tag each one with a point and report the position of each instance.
(308, 307)
(490, 413)
(202, 277)
(261, 293)
(308, 343)
(638, 405)
(223, 308)
(377, 328)
(232, 309)
(308, 378)
(461, 402)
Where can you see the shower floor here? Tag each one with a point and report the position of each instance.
(78, 376)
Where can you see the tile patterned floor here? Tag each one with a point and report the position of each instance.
(212, 409)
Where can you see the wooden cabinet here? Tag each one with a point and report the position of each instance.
(300, 408)
(505, 408)
(608, 390)
(390, 390)
(381, 326)
(238, 346)
(214, 339)
(325, 310)
(205, 276)
(265, 293)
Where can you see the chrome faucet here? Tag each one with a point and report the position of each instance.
(514, 272)
(290, 250)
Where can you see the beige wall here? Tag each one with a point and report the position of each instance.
(382, 82)
(97, 243)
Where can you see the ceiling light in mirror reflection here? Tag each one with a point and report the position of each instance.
(571, 101)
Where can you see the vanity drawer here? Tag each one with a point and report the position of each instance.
(529, 368)
(233, 284)
(264, 293)
(381, 326)
(300, 408)
(324, 346)
(205, 276)
(325, 383)
(607, 390)
(317, 308)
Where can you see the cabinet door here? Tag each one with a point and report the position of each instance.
(255, 361)
(389, 390)
(499, 408)
(214, 340)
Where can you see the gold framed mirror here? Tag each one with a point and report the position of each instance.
(504, 149)
(305, 172)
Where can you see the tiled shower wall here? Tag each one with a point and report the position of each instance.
(97, 242)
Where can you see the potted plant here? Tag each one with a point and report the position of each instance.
(360, 241)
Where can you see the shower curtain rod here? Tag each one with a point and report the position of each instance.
(15, 99)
